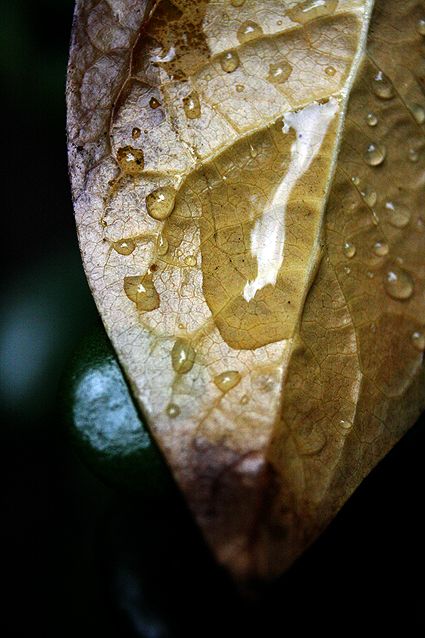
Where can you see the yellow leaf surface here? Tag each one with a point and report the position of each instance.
(249, 189)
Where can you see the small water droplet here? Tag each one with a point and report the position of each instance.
(356, 180)
(154, 103)
(347, 270)
(375, 154)
(418, 340)
(381, 248)
(190, 260)
(420, 26)
(382, 87)
(229, 61)
(240, 88)
(418, 113)
(372, 119)
(131, 160)
(253, 151)
(182, 356)
(420, 225)
(369, 196)
(345, 425)
(311, 9)
(280, 72)
(398, 214)
(141, 291)
(237, 3)
(248, 31)
(330, 70)
(173, 410)
(192, 106)
(349, 249)
(375, 218)
(370, 274)
(124, 246)
(244, 399)
(398, 284)
(135, 133)
(162, 245)
(413, 155)
(227, 380)
(160, 203)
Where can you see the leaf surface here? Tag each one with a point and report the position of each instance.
(248, 182)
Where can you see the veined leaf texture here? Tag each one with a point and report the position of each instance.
(249, 189)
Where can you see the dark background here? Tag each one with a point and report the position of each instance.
(80, 558)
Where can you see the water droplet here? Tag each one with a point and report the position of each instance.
(349, 249)
(418, 340)
(280, 72)
(173, 410)
(244, 399)
(311, 9)
(347, 270)
(398, 214)
(227, 380)
(382, 87)
(237, 3)
(160, 203)
(375, 154)
(398, 284)
(240, 88)
(154, 103)
(190, 260)
(355, 180)
(413, 155)
(381, 248)
(369, 196)
(370, 274)
(135, 133)
(131, 160)
(248, 31)
(372, 119)
(162, 245)
(330, 70)
(192, 105)
(142, 292)
(420, 26)
(229, 61)
(182, 356)
(345, 425)
(124, 246)
(418, 113)
(253, 151)
(375, 218)
(420, 225)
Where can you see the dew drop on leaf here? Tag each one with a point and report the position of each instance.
(381, 248)
(372, 119)
(131, 160)
(375, 154)
(141, 291)
(229, 61)
(160, 203)
(248, 31)
(192, 106)
(173, 410)
(398, 284)
(182, 356)
(124, 246)
(349, 249)
(398, 214)
(227, 380)
(280, 72)
(418, 340)
(382, 87)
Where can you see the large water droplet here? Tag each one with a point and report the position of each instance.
(418, 113)
(124, 246)
(227, 380)
(190, 260)
(398, 284)
(160, 203)
(418, 340)
(398, 214)
(369, 196)
(420, 26)
(173, 410)
(280, 72)
(192, 105)
(311, 9)
(382, 87)
(371, 119)
(375, 154)
(131, 160)
(248, 31)
(141, 291)
(381, 248)
(349, 249)
(182, 356)
(229, 62)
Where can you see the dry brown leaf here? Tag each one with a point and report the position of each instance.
(248, 180)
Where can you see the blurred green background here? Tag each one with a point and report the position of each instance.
(82, 558)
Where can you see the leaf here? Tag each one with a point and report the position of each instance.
(248, 181)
